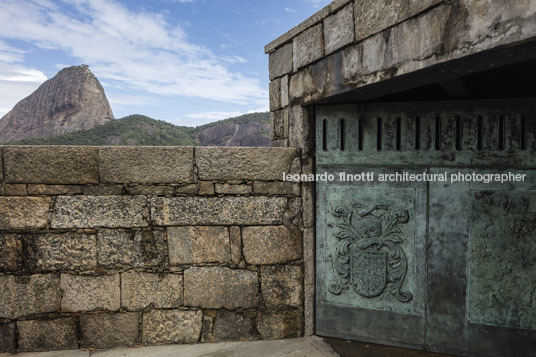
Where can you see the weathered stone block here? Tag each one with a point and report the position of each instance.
(280, 324)
(308, 46)
(216, 287)
(24, 212)
(420, 37)
(146, 164)
(279, 124)
(186, 190)
(308, 204)
(339, 29)
(59, 334)
(15, 189)
(280, 61)
(171, 326)
(300, 131)
(374, 56)
(282, 285)
(11, 248)
(88, 293)
(140, 290)
(103, 190)
(217, 210)
(51, 164)
(38, 189)
(271, 244)
(120, 248)
(206, 188)
(284, 91)
(70, 251)
(100, 211)
(27, 295)
(277, 188)
(232, 326)
(109, 330)
(374, 16)
(151, 190)
(275, 94)
(219, 163)
(7, 337)
(194, 245)
(228, 189)
(236, 244)
(351, 68)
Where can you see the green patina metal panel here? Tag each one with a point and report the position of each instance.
(447, 266)
(370, 248)
(502, 260)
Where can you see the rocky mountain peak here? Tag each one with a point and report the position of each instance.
(72, 100)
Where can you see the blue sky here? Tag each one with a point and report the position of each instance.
(188, 62)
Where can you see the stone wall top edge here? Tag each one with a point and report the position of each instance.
(312, 20)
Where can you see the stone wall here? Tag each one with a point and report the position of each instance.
(353, 44)
(354, 50)
(123, 246)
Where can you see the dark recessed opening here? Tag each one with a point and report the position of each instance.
(512, 81)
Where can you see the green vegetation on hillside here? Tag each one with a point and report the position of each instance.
(138, 130)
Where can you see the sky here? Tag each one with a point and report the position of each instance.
(188, 62)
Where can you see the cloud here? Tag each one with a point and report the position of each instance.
(136, 50)
(17, 82)
(288, 9)
(215, 115)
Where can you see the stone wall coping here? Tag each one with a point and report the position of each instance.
(314, 19)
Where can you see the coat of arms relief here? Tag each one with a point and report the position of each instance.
(368, 255)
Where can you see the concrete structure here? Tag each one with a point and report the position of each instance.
(384, 86)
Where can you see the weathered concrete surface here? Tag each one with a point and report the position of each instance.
(11, 248)
(220, 163)
(217, 287)
(100, 211)
(297, 347)
(338, 29)
(24, 212)
(146, 164)
(59, 334)
(308, 47)
(141, 290)
(171, 326)
(109, 330)
(223, 211)
(118, 248)
(271, 244)
(281, 285)
(72, 251)
(51, 165)
(89, 293)
(28, 295)
(198, 244)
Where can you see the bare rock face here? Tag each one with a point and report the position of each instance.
(71, 101)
